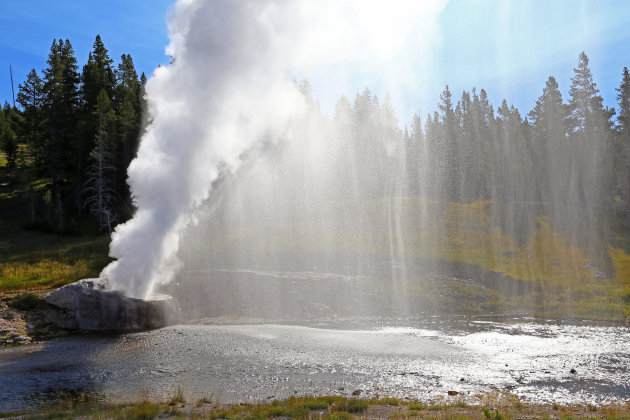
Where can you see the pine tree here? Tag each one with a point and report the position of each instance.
(591, 162)
(548, 116)
(97, 75)
(591, 135)
(61, 104)
(623, 98)
(31, 98)
(550, 146)
(623, 148)
(100, 194)
(450, 165)
(128, 107)
(8, 137)
(414, 155)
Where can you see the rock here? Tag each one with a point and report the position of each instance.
(15, 338)
(22, 339)
(91, 305)
(573, 372)
(453, 393)
(357, 392)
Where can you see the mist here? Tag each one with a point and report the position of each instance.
(254, 198)
(230, 86)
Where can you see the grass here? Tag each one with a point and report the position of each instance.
(331, 408)
(32, 259)
(177, 398)
(51, 261)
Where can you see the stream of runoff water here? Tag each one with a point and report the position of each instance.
(417, 359)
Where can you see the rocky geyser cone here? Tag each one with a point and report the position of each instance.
(91, 305)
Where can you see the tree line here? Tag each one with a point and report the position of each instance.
(565, 159)
(78, 131)
(568, 160)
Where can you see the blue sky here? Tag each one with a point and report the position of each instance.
(512, 47)
(27, 28)
(508, 47)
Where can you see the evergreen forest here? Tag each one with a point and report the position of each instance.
(72, 133)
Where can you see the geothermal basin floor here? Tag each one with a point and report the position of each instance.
(421, 360)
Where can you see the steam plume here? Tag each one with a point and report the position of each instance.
(230, 86)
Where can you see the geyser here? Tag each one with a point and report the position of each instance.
(259, 200)
(229, 88)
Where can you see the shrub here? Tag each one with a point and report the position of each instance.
(26, 302)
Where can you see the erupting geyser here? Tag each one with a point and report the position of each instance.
(230, 87)
(263, 190)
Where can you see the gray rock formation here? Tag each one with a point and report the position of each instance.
(91, 305)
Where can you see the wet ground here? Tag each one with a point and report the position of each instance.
(407, 358)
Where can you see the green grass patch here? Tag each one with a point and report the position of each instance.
(140, 411)
(354, 406)
(387, 401)
(337, 408)
(53, 262)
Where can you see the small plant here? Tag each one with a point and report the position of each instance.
(489, 415)
(141, 411)
(416, 406)
(220, 414)
(356, 406)
(202, 401)
(315, 405)
(398, 415)
(178, 397)
(389, 401)
(172, 411)
(26, 302)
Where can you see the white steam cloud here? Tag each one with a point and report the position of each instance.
(231, 86)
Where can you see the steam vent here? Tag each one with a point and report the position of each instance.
(91, 305)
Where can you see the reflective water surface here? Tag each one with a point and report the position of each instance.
(422, 359)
